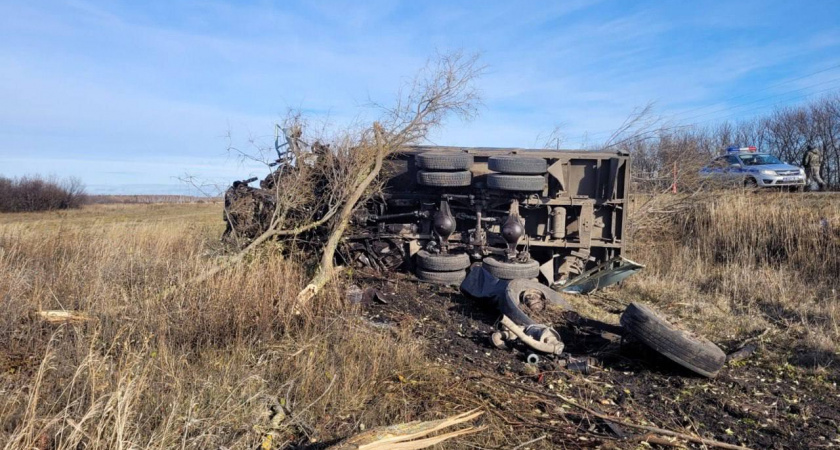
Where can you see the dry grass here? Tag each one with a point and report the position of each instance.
(201, 368)
(736, 264)
(206, 366)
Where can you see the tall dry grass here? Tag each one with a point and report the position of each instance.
(736, 263)
(205, 367)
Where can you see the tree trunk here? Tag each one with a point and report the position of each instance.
(326, 268)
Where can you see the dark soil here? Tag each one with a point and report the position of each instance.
(760, 402)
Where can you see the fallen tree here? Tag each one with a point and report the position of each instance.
(320, 180)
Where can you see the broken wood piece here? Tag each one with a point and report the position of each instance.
(61, 316)
(410, 435)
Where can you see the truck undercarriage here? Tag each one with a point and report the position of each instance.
(547, 214)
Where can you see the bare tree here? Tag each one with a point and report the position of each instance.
(444, 87)
(322, 176)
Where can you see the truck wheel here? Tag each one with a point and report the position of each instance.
(442, 263)
(521, 165)
(522, 183)
(444, 179)
(453, 278)
(444, 161)
(513, 270)
(693, 352)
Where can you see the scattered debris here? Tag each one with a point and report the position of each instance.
(603, 364)
(354, 294)
(605, 274)
(686, 349)
(742, 353)
(616, 420)
(539, 337)
(583, 365)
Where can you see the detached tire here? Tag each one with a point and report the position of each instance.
(693, 352)
(448, 278)
(437, 262)
(444, 161)
(444, 179)
(521, 165)
(519, 183)
(511, 271)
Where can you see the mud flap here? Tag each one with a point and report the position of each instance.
(606, 274)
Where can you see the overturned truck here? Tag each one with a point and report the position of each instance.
(555, 215)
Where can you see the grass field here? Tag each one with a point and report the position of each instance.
(216, 365)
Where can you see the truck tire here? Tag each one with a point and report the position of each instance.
(511, 271)
(444, 179)
(453, 278)
(693, 352)
(520, 165)
(437, 262)
(444, 161)
(521, 183)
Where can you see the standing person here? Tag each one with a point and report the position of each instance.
(812, 162)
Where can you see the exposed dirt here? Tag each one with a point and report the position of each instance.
(760, 402)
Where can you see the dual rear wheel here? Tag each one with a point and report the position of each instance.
(444, 169)
(440, 268)
(517, 173)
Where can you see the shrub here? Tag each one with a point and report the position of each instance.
(35, 193)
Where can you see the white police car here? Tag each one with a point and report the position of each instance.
(748, 166)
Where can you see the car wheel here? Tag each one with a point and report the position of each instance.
(511, 270)
(438, 262)
(521, 165)
(444, 161)
(693, 352)
(444, 179)
(750, 183)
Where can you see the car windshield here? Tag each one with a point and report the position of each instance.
(759, 159)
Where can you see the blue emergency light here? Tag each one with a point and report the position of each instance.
(734, 149)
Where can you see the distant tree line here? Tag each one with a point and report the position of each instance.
(36, 193)
(149, 199)
(785, 132)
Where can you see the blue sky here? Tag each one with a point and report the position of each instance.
(131, 95)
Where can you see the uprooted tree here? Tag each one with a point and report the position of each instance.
(320, 180)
